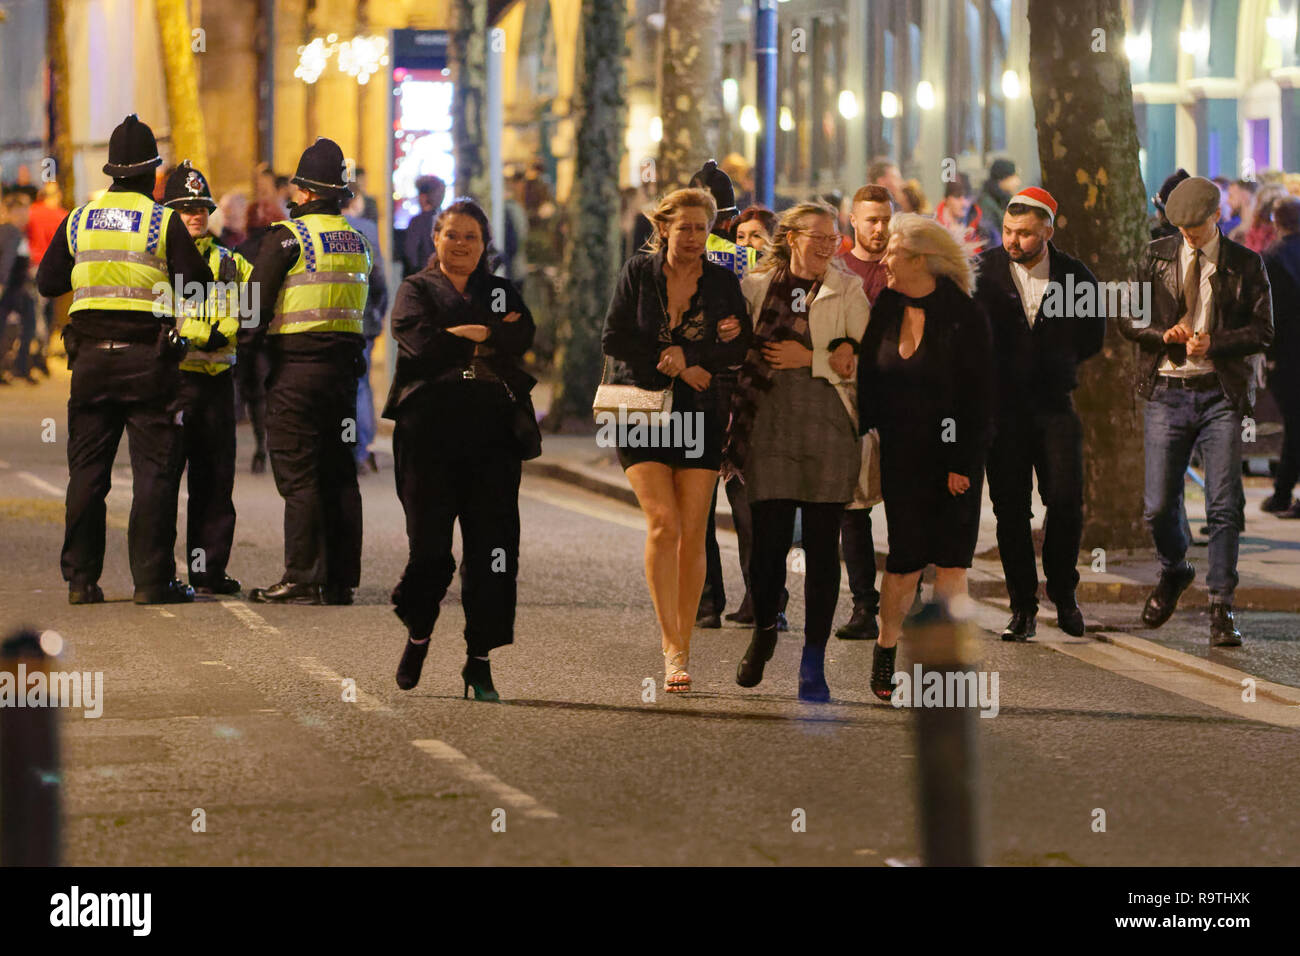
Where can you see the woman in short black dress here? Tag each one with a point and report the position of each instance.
(924, 382)
(676, 320)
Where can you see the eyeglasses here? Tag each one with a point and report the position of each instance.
(821, 238)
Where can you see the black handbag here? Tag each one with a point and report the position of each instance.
(528, 435)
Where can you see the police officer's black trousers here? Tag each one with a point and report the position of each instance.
(208, 404)
(311, 409)
(112, 389)
(482, 492)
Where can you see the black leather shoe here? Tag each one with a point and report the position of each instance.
(882, 671)
(749, 673)
(1223, 626)
(286, 592)
(1163, 600)
(1070, 619)
(1022, 626)
(1273, 504)
(336, 594)
(1292, 512)
(709, 619)
(85, 594)
(412, 662)
(812, 675)
(223, 585)
(173, 592)
(743, 614)
(862, 626)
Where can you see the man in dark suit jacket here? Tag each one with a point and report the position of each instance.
(1026, 287)
(1210, 311)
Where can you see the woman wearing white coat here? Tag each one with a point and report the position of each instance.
(793, 436)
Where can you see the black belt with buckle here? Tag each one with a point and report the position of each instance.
(1195, 383)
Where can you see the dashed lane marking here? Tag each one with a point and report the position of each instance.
(41, 484)
(472, 773)
(367, 702)
(249, 617)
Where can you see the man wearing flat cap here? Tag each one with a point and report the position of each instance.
(312, 272)
(1210, 311)
(114, 254)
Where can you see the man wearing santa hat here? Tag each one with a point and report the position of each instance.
(1036, 354)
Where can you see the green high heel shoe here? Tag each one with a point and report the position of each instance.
(478, 674)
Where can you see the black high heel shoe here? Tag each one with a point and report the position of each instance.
(412, 662)
(882, 671)
(478, 674)
(812, 675)
(749, 673)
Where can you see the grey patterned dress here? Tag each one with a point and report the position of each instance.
(803, 445)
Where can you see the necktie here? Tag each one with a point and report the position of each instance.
(1191, 296)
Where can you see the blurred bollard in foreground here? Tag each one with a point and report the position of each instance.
(947, 745)
(29, 762)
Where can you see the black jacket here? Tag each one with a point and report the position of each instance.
(427, 305)
(1282, 261)
(1241, 323)
(1035, 367)
(185, 264)
(636, 314)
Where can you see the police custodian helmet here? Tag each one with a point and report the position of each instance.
(132, 149)
(186, 186)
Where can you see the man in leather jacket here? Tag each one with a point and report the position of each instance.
(1210, 310)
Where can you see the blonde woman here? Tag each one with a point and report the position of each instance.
(676, 320)
(924, 383)
(794, 436)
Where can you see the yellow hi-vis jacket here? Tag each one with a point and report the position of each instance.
(119, 248)
(220, 310)
(326, 289)
(727, 254)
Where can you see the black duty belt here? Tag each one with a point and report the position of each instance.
(1195, 383)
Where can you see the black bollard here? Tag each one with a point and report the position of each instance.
(946, 743)
(30, 776)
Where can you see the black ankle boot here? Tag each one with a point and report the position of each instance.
(812, 674)
(478, 674)
(882, 671)
(749, 673)
(412, 662)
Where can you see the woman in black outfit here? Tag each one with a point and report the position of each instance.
(924, 382)
(676, 320)
(460, 332)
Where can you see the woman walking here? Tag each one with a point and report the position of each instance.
(924, 383)
(675, 321)
(456, 394)
(794, 439)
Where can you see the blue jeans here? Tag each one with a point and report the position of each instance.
(1179, 421)
(365, 409)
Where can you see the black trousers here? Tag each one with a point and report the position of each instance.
(714, 596)
(773, 535)
(127, 388)
(311, 410)
(1286, 390)
(208, 404)
(860, 557)
(482, 493)
(1048, 443)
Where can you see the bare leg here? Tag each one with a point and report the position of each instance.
(694, 491)
(653, 484)
(897, 592)
(949, 583)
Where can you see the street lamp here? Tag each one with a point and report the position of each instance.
(787, 119)
(1137, 47)
(749, 119)
(656, 129)
(925, 95)
(1194, 41)
(888, 104)
(848, 104)
(1011, 85)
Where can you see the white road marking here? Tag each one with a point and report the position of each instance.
(41, 484)
(637, 524)
(472, 773)
(366, 702)
(249, 617)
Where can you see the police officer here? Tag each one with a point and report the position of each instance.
(207, 391)
(312, 271)
(114, 254)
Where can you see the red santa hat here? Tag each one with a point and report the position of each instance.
(1033, 196)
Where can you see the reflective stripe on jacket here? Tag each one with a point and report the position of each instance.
(118, 244)
(326, 289)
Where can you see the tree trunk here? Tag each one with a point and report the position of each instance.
(185, 115)
(1088, 148)
(60, 133)
(467, 57)
(690, 99)
(593, 257)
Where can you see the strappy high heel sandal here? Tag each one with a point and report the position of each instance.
(676, 680)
